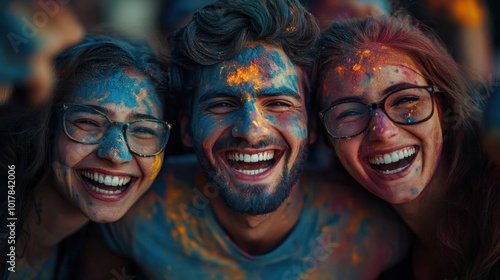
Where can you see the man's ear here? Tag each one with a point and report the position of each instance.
(313, 123)
(185, 126)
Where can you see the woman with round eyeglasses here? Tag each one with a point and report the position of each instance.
(107, 139)
(405, 124)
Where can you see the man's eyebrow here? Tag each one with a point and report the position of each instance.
(211, 94)
(280, 92)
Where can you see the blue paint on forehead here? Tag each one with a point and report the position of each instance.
(119, 88)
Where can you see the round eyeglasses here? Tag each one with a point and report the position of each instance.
(87, 125)
(350, 117)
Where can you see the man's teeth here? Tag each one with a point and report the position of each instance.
(392, 157)
(251, 157)
(107, 179)
(253, 172)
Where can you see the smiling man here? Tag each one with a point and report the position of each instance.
(245, 210)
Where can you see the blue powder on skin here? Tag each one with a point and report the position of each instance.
(417, 169)
(414, 191)
(410, 120)
(90, 203)
(114, 146)
(369, 75)
(118, 89)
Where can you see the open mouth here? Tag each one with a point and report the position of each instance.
(394, 162)
(253, 164)
(105, 184)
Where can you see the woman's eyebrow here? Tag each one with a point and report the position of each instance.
(396, 87)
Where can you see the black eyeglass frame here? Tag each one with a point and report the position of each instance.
(373, 106)
(124, 126)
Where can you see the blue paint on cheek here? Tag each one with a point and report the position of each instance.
(414, 191)
(417, 169)
(90, 203)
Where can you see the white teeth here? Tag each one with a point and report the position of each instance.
(392, 157)
(387, 158)
(107, 179)
(99, 190)
(251, 157)
(253, 172)
(393, 171)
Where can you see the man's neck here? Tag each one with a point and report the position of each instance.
(258, 235)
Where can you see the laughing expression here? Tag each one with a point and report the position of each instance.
(395, 162)
(248, 127)
(105, 179)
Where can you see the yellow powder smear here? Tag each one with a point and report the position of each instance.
(155, 167)
(245, 75)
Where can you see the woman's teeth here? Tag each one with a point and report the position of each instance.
(392, 157)
(107, 180)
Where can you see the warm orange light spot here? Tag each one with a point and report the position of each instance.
(245, 75)
(355, 258)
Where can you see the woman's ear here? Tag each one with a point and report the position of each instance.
(185, 123)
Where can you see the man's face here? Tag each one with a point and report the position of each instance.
(248, 127)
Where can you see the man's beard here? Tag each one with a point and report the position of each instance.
(253, 199)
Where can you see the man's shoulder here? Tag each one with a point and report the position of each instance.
(335, 192)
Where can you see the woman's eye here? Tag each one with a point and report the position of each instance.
(347, 115)
(404, 101)
(143, 132)
(86, 124)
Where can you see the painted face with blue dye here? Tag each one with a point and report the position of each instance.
(395, 162)
(104, 180)
(248, 128)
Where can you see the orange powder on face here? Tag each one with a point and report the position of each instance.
(245, 75)
(155, 167)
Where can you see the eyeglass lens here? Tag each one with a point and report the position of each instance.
(86, 125)
(406, 106)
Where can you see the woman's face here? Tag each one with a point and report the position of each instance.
(368, 75)
(103, 180)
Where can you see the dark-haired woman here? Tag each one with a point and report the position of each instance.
(105, 140)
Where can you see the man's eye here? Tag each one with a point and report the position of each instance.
(221, 107)
(280, 104)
